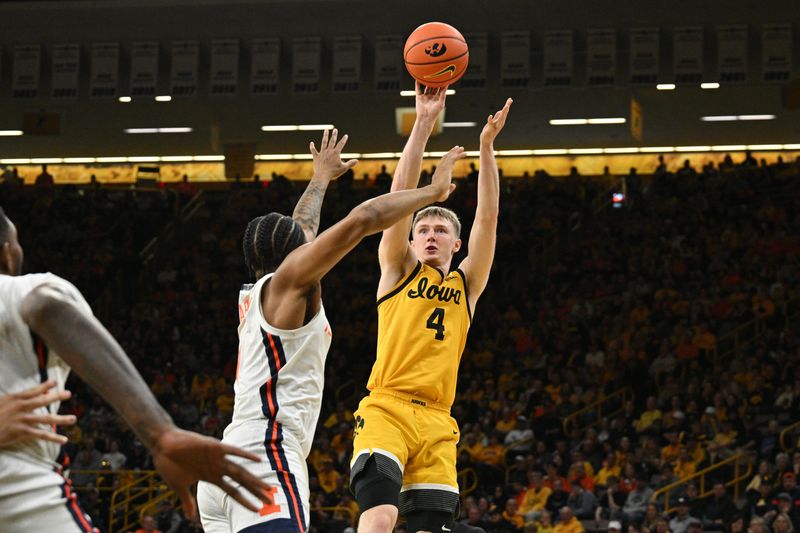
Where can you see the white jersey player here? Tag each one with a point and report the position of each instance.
(46, 329)
(284, 338)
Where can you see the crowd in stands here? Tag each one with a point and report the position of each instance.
(645, 296)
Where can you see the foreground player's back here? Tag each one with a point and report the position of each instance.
(279, 375)
(26, 360)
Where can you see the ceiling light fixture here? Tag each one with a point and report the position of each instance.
(731, 118)
(182, 129)
(297, 127)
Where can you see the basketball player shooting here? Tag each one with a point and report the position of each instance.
(47, 330)
(284, 337)
(404, 458)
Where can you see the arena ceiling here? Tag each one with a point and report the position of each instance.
(95, 126)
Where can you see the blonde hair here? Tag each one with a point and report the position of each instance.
(441, 212)
(784, 517)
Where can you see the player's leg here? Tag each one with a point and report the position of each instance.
(210, 506)
(377, 496)
(35, 499)
(429, 497)
(283, 468)
(379, 455)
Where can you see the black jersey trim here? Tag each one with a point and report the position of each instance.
(466, 292)
(402, 285)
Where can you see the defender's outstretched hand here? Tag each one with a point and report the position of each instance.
(19, 422)
(430, 102)
(183, 458)
(495, 123)
(442, 178)
(328, 160)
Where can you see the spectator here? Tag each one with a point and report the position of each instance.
(148, 525)
(519, 439)
(720, 508)
(582, 502)
(680, 522)
(558, 498)
(475, 518)
(567, 523)
(758, 525)
(535, 498)
(782, 524)
(116, 458)
(511, 514)
(167, 520)
(637, 500)
(44, 179)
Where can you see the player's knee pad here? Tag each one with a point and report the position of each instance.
(433, 521)
(372, 488)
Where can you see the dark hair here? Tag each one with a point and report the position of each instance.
(5, 226)
(268, 240)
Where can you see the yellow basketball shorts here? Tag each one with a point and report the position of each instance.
(413, 442)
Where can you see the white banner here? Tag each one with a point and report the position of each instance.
(515, 59)
(776, 52)
(601, 56)
(183, 76)
(475, 76)
(687, 54)
(27, 66)
(347, 63)
(144, 68)
(104, 77)
(388, 62)
(732, 53)
(306, 55)
(65, 69)
(557, 69)
(644, 55)
(265, 66)
(224, 75)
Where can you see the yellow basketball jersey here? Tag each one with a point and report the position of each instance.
(422, 329)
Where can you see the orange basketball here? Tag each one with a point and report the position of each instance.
(436, 54)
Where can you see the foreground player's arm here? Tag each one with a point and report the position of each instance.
(182, 457)
(306, 265)
(394, 252)
(483, 237)
(20, 422)
(328, 165)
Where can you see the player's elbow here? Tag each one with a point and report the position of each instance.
(487, 216)
(365, 220)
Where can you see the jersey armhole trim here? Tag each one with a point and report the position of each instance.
(402, 285)
(466, 291)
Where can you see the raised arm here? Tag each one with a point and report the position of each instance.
(309, 263)
(328, 166)
(483, 237)
(181, 457)
(394, 252)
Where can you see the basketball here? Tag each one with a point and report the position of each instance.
(436, 54)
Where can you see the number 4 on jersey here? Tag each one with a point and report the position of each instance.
(436, 323)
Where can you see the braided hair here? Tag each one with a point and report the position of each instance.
(267, 241)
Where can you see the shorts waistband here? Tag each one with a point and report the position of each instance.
(410, 398)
